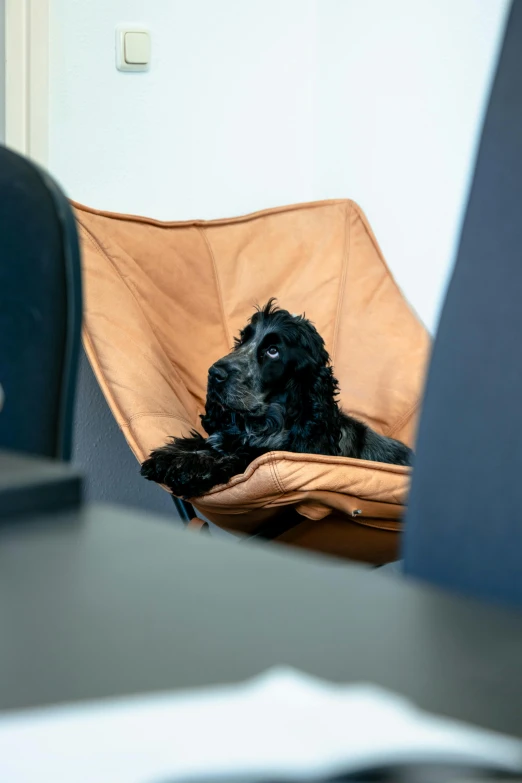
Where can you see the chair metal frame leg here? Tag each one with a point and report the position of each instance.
(184, 509)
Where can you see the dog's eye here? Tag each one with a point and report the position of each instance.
(272, 352)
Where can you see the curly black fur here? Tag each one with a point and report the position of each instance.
(275, 391)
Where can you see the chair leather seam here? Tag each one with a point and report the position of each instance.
(342, 282)
(210, 223)
(362, 217)
(218, 284)
(276, 476)
(377, 248)
(403, 419)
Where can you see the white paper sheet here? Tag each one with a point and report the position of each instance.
(282, 725)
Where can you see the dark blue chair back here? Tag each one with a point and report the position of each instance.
(464, 525)
(40, 310)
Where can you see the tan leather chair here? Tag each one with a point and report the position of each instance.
(163, 302)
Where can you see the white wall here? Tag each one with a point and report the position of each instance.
(401, 90)
(222, 123)
(256, 103)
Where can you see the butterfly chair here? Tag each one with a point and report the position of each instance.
(163, 301)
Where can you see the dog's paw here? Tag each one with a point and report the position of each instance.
(193, 474)
(187, 474)
(156, 467)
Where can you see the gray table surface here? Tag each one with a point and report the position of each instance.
(106, 602)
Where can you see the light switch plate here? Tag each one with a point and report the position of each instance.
(132, 48)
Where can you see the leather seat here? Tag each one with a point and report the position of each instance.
(163, 301)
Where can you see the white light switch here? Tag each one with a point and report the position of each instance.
(132, 48)
(137, 48)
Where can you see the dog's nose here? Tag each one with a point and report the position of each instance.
(218, 373)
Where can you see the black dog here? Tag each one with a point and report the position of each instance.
(275, 392)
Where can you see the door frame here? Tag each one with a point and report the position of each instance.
(27, 78)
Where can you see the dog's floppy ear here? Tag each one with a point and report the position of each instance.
(311, 353)
(312, 394)
(325, 417)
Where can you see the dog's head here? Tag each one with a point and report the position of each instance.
(277, 359)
